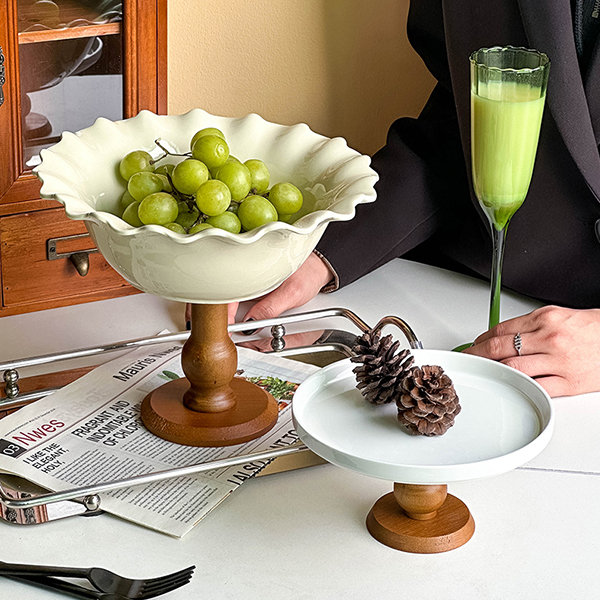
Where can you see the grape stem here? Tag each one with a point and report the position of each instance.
(167, 151)
(155, 160)
(189, 200)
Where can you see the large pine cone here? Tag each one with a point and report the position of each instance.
(380, 374)
(428, 402)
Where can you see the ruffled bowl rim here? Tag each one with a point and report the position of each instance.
(345, 207)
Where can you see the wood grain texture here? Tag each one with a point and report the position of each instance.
(253, 414)
(162, 51)
(420, 502)
(144, 31)
(10, 110)
(30, 280)
(211, 407)
(209, 360)
(440, 529)
(69, 33)
(141, 31)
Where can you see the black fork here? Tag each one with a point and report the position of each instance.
(102, 579)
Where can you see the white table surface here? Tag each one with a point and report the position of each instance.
(301, 535)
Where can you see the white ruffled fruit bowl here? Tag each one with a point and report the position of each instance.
(210, 406)
(211, 266)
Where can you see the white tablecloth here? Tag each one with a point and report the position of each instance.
(301, 534)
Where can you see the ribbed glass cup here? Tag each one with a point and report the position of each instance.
(508, 92)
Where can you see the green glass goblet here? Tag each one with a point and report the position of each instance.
(508, 91)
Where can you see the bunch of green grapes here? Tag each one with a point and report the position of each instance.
(209, 188)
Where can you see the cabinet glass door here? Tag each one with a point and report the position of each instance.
(70, 68)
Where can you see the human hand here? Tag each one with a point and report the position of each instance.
(560, 348)
(231, 310)
(296, 290)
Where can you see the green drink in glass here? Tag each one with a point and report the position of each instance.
(508, 90)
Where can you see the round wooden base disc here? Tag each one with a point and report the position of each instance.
(164, 414)
(37, 126)
(452, 527)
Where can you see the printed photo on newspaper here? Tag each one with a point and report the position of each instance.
(90, 431)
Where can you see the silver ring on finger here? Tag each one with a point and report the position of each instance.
(518, 343)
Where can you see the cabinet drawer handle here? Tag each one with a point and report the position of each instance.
(79, 258)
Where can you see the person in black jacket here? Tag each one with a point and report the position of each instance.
(426, 209)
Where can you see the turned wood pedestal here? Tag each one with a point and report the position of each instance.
(210, 407)
(422, 519)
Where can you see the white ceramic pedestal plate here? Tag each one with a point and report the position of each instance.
(213, 267)
(505, 421)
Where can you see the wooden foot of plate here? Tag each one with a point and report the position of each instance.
(421, 519)
(253, 413)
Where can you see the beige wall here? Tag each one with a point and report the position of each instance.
(343, 66)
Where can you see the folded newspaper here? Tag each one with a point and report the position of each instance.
(90, 431)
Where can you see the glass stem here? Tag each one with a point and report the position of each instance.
(498, 239)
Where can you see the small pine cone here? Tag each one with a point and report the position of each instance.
(428, 402)
(381, 370)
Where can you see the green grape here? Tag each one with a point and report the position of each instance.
(215, 170)
(134, 162)
(286, 198)
(166, 184)
(166, 169)
(159, 208)
(233, 207)
(213, 197)
(260, 175)
(206, 131)
(212, 150)
(126, 199)
(227, 221)
(189, 175)
(143, 184)
(287, 218)
(237, 178)
(186, 217)
(130, 215)
(199, 227)
(183, 206)
(176, 227)
(255, 211)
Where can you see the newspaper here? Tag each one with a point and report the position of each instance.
(90, 431)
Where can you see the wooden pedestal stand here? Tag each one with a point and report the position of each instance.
(420, 518)
(211, 407)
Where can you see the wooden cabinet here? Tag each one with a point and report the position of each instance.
(66, 62)
(30, 278)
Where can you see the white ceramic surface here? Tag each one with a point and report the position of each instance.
(506, 420)
(212, 266)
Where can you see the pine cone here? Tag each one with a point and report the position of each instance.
(382, 370)
(428, 402)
